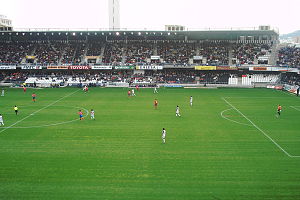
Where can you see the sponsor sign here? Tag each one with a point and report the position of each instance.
(57, 67)
(78, 67)
(276, 87)
(8, 67)
(101, 67)
(31, 67)
(155, 57)
(173, 86)
(205, 67)
(149, 67)
(30, 57)
(263, 58)
(285, 69)
(197, 57)
(124, 67)
(259, 68)
(92, 57)
(226, 68)
(291, 88)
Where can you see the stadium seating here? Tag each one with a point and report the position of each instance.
(138, 52)
(248, 53)
(289, 56)
(290, 78)
(250, 79)
(15, 52)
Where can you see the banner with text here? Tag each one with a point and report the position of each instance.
(124, 67)
(78, 67)
(30, 57)
(226, 68)
(57, 67)
(197, 57)
(8, 67)
(205, 67)
(31, 67)
(155, 57)
(149, 67)
(92, 57)
(101, 67)
(260, 68)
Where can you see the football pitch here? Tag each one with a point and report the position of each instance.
(229, 145)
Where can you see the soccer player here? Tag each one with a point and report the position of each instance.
(129, 93)
(137, 87)
(92, 114)
(1, 120)
(33, 97)
(155, 103)
(132, 92)
(155, 90)
(163, 136)
(191, 100)
(24, 89)
(279, 110)
(2, 92)
(177, 111)
(80, 113)
(86, 89)
(16, 110)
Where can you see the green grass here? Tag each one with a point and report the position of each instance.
(120, 155)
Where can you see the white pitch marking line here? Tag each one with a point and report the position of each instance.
(256, 97)
(287, 93)
(289, 155)
(37, 111)
(231, 119)
(54, 124)
(295, 107)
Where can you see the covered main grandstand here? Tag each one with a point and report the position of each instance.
(145, 58)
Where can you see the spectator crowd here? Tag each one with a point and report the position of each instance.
(290, 56)
(138, 52)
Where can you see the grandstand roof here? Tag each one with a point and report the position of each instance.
(136, 35)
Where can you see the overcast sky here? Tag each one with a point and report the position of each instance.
(154, 14)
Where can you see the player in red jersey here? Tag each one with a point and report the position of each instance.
(85, 89)
(33, 97)
(155, 103)
(24, 89)
(279, 109)
(137, 87)
(129, 93)
(80, 113)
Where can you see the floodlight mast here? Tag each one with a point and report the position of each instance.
(114, 14)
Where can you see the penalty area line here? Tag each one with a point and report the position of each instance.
(222, 115)
(38, 111)
(295, 107)
(265, 134)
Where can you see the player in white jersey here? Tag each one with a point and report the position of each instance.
(177, 111)
(155, 90)
(2, 93)
(1, 120)
(191, 100)
(163, 136)
(92, 114)
(132, 92)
